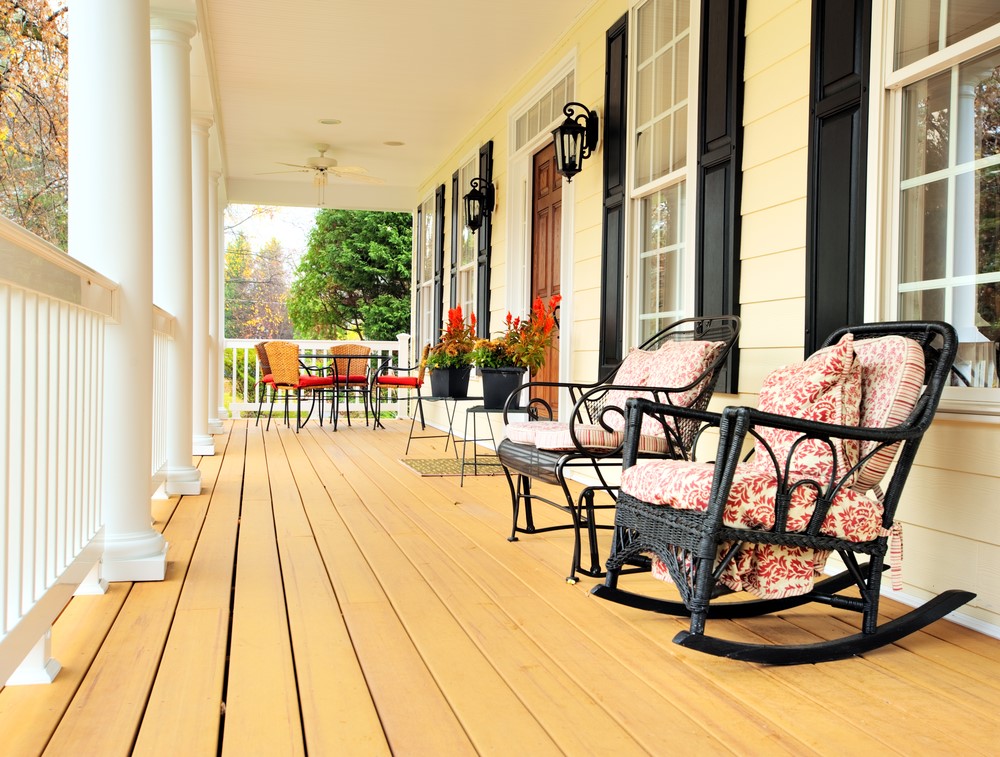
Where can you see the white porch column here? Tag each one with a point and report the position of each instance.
(214, 336)
(203, 443)
(220, 306)
(170, 36)
(111, 229)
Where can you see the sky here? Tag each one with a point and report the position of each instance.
(290, 226)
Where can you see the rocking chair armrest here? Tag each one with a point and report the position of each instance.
(637, 408)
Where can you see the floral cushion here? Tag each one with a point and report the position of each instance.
(892, 375)
(524, 432)
(824, 388)
(674, 364)
(593, 437)
(765, 570)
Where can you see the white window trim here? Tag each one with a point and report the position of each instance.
(688, 174)
(882, 211)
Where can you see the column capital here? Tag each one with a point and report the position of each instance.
(201, 122)
(167, 26)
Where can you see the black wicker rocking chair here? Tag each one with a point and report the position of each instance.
(679, 365)
(811, 488)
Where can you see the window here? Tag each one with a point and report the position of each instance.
(466, 276)
(947, 197)
(426, 331)
(659, 159)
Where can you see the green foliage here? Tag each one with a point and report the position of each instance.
(256, 291)
(354, 276)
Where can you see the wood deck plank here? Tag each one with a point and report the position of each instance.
(338, 714)
(185, 705)
(262, 708)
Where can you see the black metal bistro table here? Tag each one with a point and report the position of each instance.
(333, 361)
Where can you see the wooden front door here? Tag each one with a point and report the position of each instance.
(546, 232)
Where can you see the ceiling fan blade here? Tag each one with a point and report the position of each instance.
(295, 165)
(268, 173)
(363, 178)
(348, 169)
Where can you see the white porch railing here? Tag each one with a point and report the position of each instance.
(243, 371)
(53, 312)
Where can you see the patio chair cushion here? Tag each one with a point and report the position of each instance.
(674, 364)
(310, 382)
(399, 381)
(765, 570)
(352, 378)
(892, 375)
(825, 388)
(593, 437)
(524, 432)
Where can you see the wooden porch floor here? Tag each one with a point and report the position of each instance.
(321, 598)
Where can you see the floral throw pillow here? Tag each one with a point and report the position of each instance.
(824, 388)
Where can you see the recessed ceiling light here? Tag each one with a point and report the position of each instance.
(330, 121)
(394, 143)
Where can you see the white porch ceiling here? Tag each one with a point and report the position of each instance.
(421, 72)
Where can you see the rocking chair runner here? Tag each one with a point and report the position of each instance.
(679, 365)
(826, 433)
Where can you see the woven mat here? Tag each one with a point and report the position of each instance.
(449, 466)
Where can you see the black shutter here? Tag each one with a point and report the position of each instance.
(841, 46)
(419, 337)
(484, 240)
(439, 257)
(456, 225)
(720, 156)
(612, 328)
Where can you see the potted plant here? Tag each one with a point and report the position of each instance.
(504, 360)
(450, 361)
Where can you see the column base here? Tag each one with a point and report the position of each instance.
(135, 557)
(215, 426)
(94, 584)
(185, 480)
(203, 444)
(223, 413)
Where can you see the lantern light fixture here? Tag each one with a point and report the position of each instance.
(479, 203)
(575, 139)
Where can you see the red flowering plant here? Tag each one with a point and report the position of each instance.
(457, 340)
(524, 341)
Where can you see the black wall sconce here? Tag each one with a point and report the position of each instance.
(479, 203)
(575, 139)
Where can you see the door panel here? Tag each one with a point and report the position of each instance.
(546, 233)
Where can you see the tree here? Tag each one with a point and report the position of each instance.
(33, 117)
(354, 276)
(256, 291)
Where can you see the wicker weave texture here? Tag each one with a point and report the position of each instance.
(284, 359)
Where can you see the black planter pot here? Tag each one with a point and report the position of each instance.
(450, 382)
(498, 383)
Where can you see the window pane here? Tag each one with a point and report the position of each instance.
(987, 221)
(966, 17)
(925, 305)
(663, 96)
(979, 108)
(643, 157)
(644, 96)
(680, 139)
(661, 245)
(681, 71)
(916, 29)
(923, 240)
(926, 125)
(427, 252)
(646, 31)
(664, 22)
(661, 147)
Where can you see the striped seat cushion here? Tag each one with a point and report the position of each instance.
(524, 432)
(593, 437)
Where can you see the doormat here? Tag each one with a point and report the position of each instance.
(489, 465)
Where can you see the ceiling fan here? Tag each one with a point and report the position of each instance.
(321, 165)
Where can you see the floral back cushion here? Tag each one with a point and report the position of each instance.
(674, 364)
(824, 388)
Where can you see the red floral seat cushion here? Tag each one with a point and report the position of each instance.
(764, 570)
